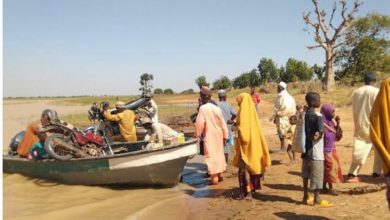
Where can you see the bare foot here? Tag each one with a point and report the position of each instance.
(291, 163)
(279, 152)
(242, 197)
(334, 192)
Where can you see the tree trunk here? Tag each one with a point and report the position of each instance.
(329, 84)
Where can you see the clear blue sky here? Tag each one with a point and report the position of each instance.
(94, 47)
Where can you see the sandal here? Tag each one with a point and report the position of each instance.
(324, 204)
(309, 201)
(353, 180)
(377, 176)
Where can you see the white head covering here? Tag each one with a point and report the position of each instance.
(222, 92)
(283, 84)
(120, 104)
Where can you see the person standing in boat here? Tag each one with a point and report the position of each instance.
(125, 119)
(153, 110)
(211, 123)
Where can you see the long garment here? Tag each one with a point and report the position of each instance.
(126, 121)
(153, 111)
(201, 143)
(380, 129)
(211, 123)
(332, 168)
(30, 138)
(362, 102)
(284, 108)
(252, 156)
(227, 112)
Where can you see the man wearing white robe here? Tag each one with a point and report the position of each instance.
(153, 110)
(362, 101)
(284, 108)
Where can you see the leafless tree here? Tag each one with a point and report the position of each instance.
(323, 32)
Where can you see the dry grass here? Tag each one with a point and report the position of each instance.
(183, 104)
(79, 120)
(88, 101)
(341, 97)
(165, 113)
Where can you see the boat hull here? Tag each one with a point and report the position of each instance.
(162, 167)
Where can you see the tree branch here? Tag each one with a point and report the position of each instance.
(321, 19)
(347, 19)
(331, 17)
(339, 53)
(313, 47)
(317, 36)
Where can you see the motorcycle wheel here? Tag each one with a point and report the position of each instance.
(51, 148)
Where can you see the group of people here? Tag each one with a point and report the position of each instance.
(155, 132)
(126, 120)
(31, 145)
(320, 130)
(252, 155)
(318, 133)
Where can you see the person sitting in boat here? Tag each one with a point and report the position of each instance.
(157, 132)
(126, 119)
(31, 146)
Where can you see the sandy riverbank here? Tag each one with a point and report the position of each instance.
(26, 198)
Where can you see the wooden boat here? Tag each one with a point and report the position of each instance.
(130, 165)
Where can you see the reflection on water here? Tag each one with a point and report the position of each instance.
(28, 198)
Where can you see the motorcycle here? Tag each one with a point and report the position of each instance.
(66, 142)
(111, 128)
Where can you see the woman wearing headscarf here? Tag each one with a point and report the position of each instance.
(252, 156)
(332, 169)
(32, 139)
(380, 129)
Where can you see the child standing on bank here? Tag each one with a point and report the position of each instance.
(299, 110)
(313, 158)
(290, 138)
(332, 169)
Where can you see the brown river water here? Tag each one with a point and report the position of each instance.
(29, 198)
